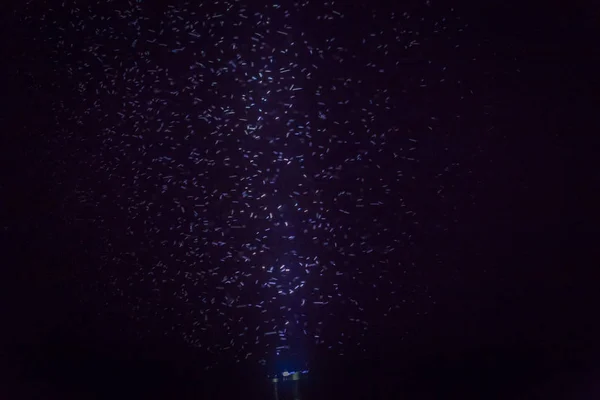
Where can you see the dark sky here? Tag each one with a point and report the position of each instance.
(375, 192)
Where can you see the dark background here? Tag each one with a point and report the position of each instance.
(525, 329)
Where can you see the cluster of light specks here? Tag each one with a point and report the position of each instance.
(259, 175)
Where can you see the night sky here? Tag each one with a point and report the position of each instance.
(207, 192)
